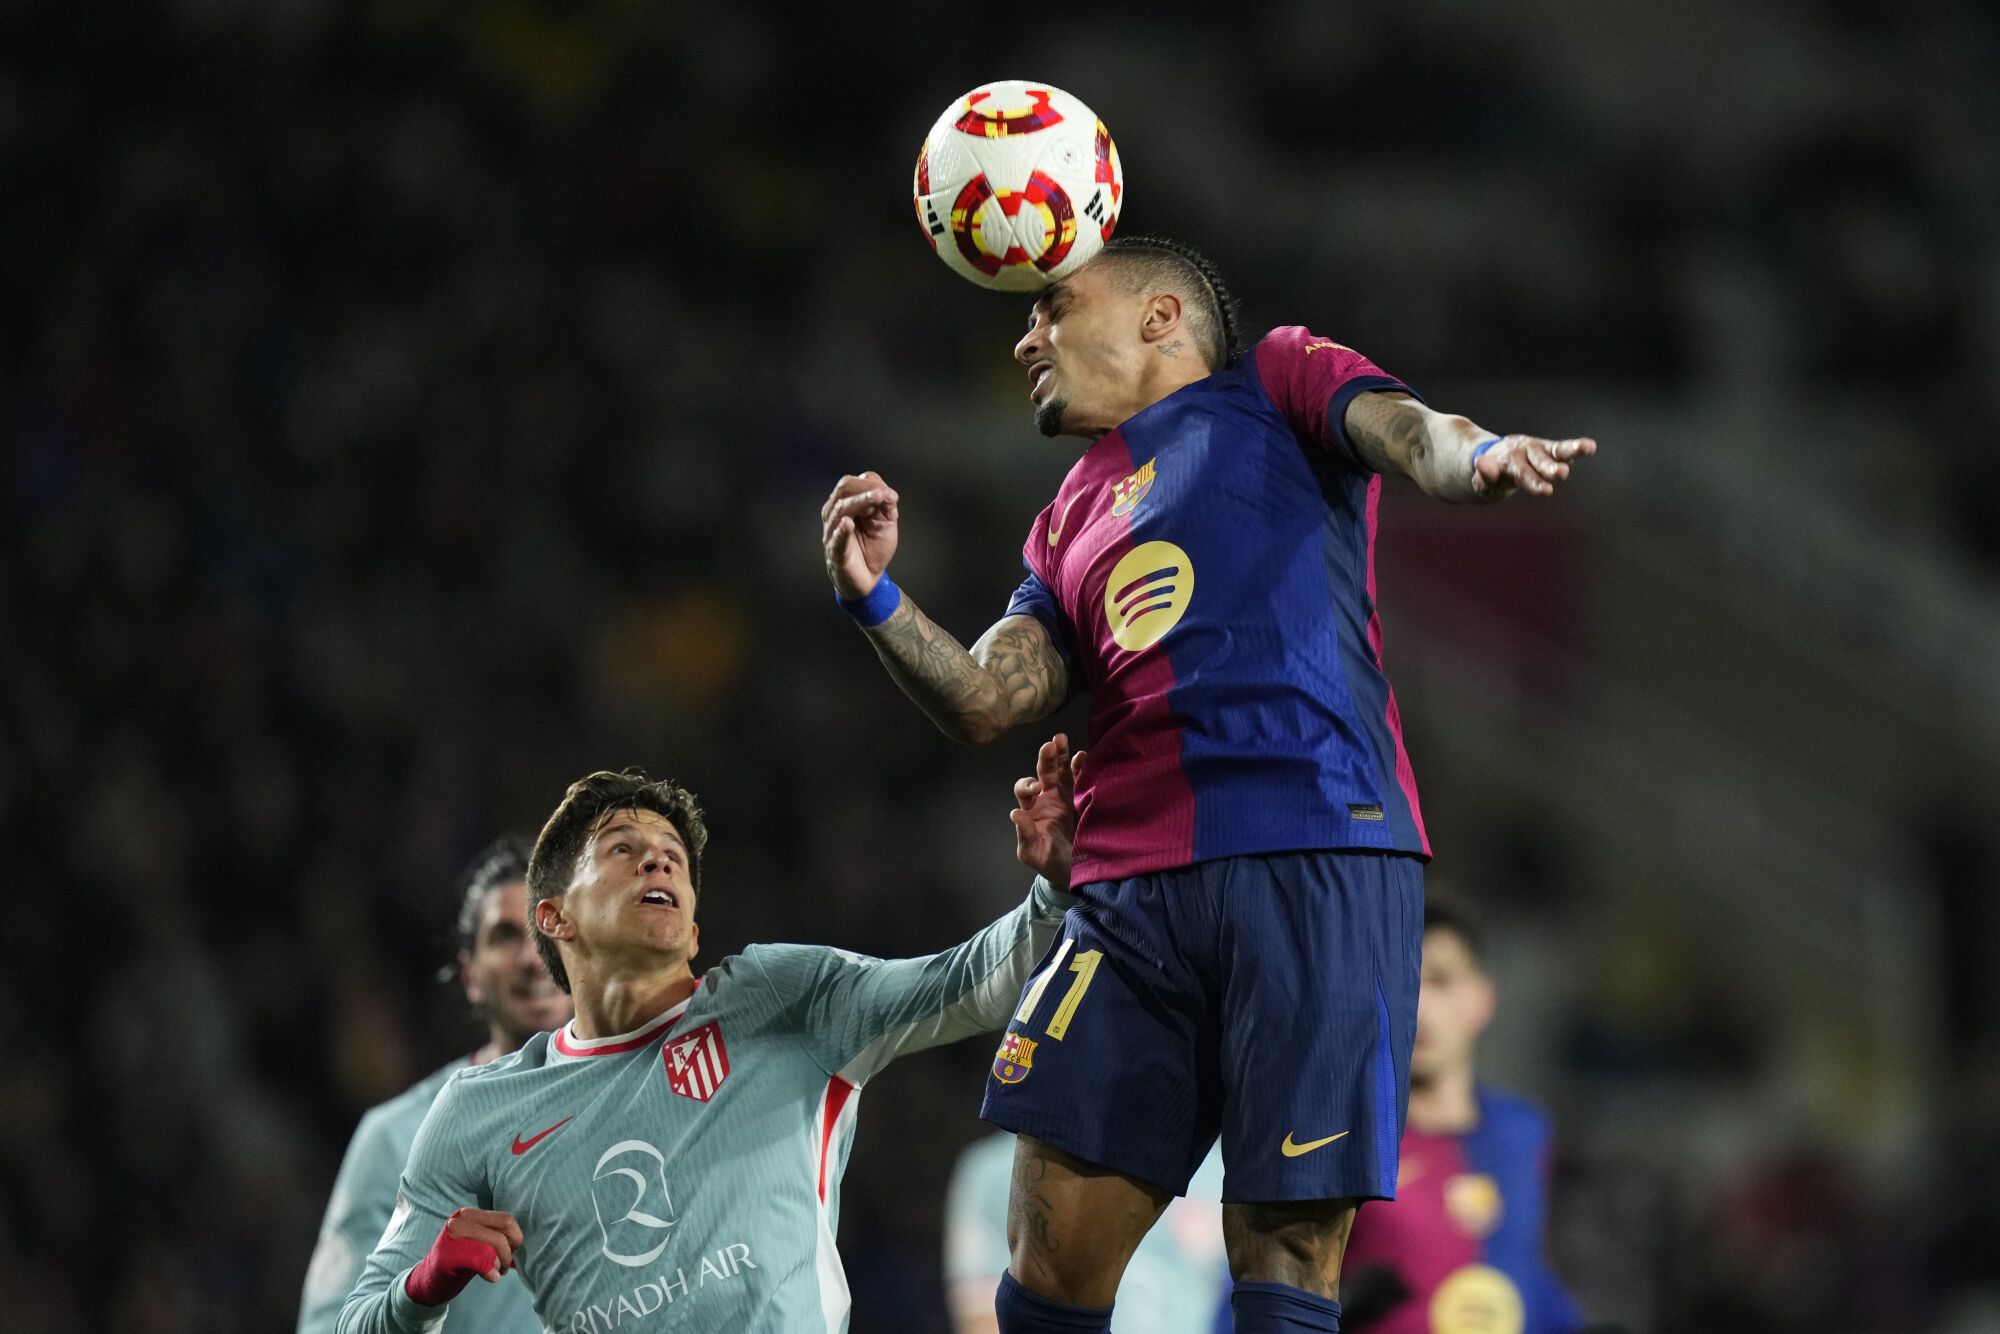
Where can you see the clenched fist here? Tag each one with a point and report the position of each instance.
(474, 1243)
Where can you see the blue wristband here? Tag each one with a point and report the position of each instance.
(878, 606)
(1484, 446)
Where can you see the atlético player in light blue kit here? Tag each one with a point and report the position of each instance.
(671, 1159)
(505, 979)
(1249, 846)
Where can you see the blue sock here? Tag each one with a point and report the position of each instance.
(1279, 1308)
(1023, 1312)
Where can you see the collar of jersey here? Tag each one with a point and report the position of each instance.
(568, 1044)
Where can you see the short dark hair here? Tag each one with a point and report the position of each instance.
(582, 811)
(1161, 264)
(500, 862)
(1447, 912)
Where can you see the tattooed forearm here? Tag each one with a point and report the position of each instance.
(1388, 432)
(1025, 667)
(1014, 676)
(1432, 449)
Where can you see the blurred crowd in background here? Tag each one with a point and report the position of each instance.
(408, 408)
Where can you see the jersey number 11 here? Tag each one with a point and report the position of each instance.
(1084, 966)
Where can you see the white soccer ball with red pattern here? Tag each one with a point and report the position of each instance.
(1018, 185)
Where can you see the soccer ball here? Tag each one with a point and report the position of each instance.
(1017, 185)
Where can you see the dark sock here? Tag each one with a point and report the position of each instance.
(1023, 1312)
(1279, 1308)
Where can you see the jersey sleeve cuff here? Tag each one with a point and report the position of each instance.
(1336, 410)
(410, 1316)
(1046, 903)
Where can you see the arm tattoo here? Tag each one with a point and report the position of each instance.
(1400, 435)
(1015, 676)
(1386, 432)
(1018, 654)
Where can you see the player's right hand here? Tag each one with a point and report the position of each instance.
(1045, 812)
(1526, 463)
(858, 529)
(474, 1243)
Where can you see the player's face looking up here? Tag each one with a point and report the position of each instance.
(1453, 1007)
(630, 901)
(503, 973)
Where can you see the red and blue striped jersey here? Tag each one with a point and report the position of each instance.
(1209, 571)
(1464, 1233)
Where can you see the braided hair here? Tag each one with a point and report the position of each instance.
(1161, 264)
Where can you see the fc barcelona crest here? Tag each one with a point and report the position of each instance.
(697, 1062)
(1473, 1201)
(1012, 1062)
(1125, 496)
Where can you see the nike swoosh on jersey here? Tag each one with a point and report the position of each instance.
(1055, 529)
(521, 1146)
(1292, 1150)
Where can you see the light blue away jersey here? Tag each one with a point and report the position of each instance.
(364, 1194)
(686, 1176)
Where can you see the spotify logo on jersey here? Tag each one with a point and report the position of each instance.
(1147, 594)
(1478, 1299)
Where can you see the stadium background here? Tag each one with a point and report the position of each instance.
(409, 407)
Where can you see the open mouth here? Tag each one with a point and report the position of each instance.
(1038, 375)
(660, 898)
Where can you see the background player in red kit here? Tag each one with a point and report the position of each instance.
(1249, 844)
(1460, 1247)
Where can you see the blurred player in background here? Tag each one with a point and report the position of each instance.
(676, 1150)
(1177, 1280)
(508, 985)
(1249, 848)
(1459, 1250)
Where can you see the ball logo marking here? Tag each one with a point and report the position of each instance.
(999, 124)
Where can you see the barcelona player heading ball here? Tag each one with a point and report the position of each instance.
(1243, 962)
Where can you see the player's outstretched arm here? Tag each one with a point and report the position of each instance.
(856, 1014)
(1014, 674)
(1450, 457)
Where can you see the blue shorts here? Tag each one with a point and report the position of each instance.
(1270, 999)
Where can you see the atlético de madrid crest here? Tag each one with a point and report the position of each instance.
(697, 1062)
(1012, 1062)
(1125, 496)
